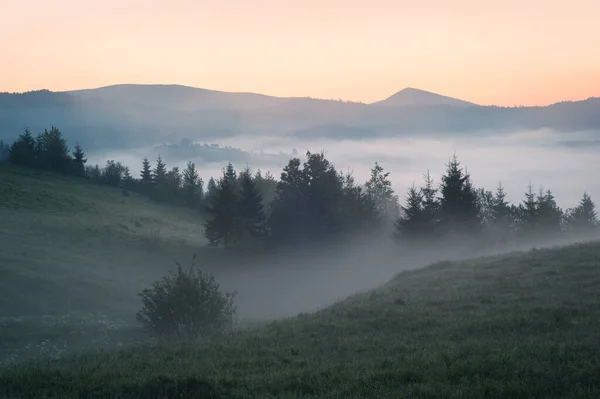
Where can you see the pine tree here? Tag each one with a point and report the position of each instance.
(550, 216)
(222, 227)
(173, 183)
(501, 214)
(584, 218)
(211, 187)
(529, 212)
(159, 173)
(458, 206)
(379, 189)
(79, 160)
(192, 186)
(410, 226)
(251, 209)
(23, 150)
(146, 173)
(53, 151)
(431, 205)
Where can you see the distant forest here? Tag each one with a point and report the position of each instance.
(186, 149)
(312, 202)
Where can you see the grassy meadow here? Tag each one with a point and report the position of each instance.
(73, 257)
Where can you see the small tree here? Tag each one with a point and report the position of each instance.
(186, 304)
(79, 161)
(23, 152)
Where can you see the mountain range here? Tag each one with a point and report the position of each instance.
(128, 116)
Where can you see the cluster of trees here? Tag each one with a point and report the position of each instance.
(313, 202)
(459, 210)
(47, 150)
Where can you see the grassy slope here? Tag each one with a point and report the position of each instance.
(73, 257)
(524, 325)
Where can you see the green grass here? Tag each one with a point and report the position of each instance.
(521, 326)
(73, 257)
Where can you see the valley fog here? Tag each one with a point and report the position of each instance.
(565, 163)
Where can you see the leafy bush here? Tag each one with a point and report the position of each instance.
(186, 304)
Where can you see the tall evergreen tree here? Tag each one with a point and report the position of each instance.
(501, 215)
(529, 214)
(79, 160)
(23, 150)
(411, 225)
(458, 206)
(431, 205)
(173, 182)
(52, 151)
(251, 209)
(192, 186)
(159, 173)
(550, 216)
(222, 227)
(212, 185)
(584, 218)
(146, 175)
(379, 189)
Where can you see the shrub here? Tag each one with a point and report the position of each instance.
(186, 304)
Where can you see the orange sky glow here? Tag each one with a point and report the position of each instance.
(509, 52)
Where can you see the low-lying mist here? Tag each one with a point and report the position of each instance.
(564, 163)
(306, 280)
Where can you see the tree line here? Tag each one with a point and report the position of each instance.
(312, 202)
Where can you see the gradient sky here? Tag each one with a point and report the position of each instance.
(523, 52)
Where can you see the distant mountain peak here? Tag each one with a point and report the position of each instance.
(412, 96)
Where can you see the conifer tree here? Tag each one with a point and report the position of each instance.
(159, 173)
(146, 175)
(528, 212)
(458, 206)
(501, 214)
(251, 209)
(379, 189)
(23, 150)
(222, 227)
(410, 225)
(584, 218)
(52, 151)
(192, 186)
(550, 216)
(79, 160)
(431, 205)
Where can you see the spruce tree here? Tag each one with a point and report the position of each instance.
(528, 212)
(458, 205)
(146, 175)
(192, 186)
(222, 227)
(550, 216)
(251, 209)
(584, 218)
(410, 226)
(159, 173)
(79, 160)
(53, 151)
(23, 150)
(379, 189)
(431, 205)
(501, 214)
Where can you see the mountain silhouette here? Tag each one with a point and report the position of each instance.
(410, 96)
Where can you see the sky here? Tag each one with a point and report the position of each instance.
(508, 52)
